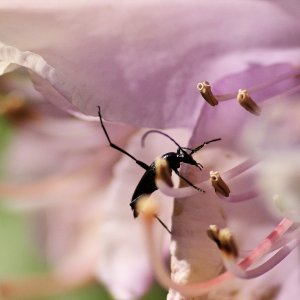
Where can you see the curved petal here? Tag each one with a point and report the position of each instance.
(116, 57)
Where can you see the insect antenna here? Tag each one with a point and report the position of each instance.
(164, 134)
(202, 145)
(139, 162)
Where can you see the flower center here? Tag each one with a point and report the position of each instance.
(238, 262)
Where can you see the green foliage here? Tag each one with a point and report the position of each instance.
(4, 133)
(18, 257)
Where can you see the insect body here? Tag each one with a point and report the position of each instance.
(147, 185)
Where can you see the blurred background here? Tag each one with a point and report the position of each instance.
(19, 256)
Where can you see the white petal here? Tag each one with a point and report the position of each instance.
(112, 53)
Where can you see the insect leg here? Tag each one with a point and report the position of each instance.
(162, 223)
(187, 181)
(140, 163)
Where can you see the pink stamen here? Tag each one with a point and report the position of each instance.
(50, 186)
(274, 260)
(240, 168)
(197, 289)
(266, 244)
(262, 86)
(286, 239)
(163, 277)
(235, 198)
(189, 191)
(180, 192)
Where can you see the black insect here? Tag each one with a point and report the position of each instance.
(147, 185)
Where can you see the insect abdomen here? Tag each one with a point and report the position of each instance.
(146, 186)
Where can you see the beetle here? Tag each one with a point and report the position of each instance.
(146, 185)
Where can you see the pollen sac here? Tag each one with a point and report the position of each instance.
(205, 89)
(247, 102)
(15, 109)
(163, 171)
(224, 240)
(147, 206)
(219, 184)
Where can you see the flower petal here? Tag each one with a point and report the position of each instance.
(116, 57)
(228, 120)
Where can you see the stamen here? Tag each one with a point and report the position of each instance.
(188, 191)
(162, 275)
(205, 89)
(163, 172)
(235, 198)
(265, 85)
(219, 184)
(266, 244)
(234, 268)
(240, 168)
(49, 185)
(164, 183)
(180, 192)
(240, 269)
(286, 239)
(247, 102)
(289, 75)
(147, 207)
(224, 240)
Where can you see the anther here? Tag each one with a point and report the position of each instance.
(147, 206)
(277, 200)
(224, 240)
(10, 104)
(15, 108)
(219, 184)
(163, 171)
(194, 289)
(205, 89)
(247, 102)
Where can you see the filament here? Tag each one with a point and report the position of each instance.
(200, 288)
(290, 244)
(163, 277)
(289, 75)
(187, 191)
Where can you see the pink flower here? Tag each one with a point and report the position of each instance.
(252, 165)
(141, 62)
(61, 171)
(123, 55)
